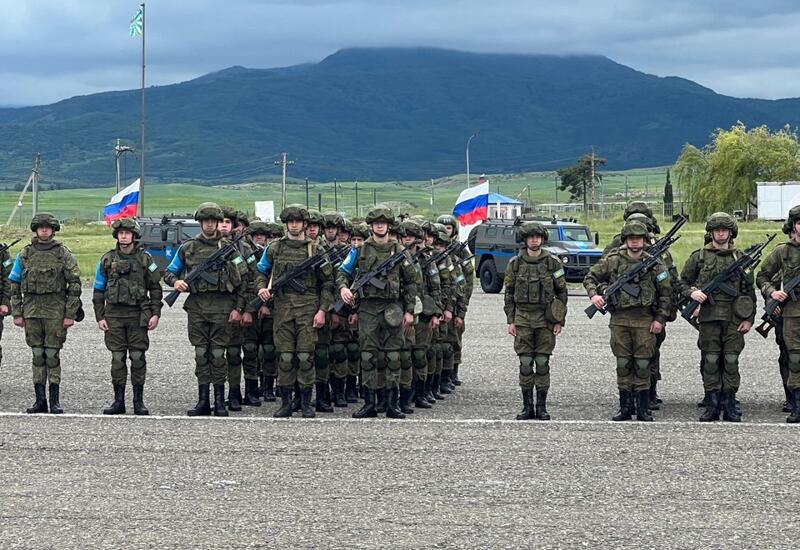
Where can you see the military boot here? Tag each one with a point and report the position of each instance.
(251, 393)
(305, 404)
(625, 411)
(350, 392)
(654, 401)
(794, 399)
(429, 390)
(436, 387)
(368, 410)
(118, 406)
(527, 405)
(339, 399)
(234, 398)
(296, 398)
(703, 403)
(444, 383)
(285, 410)
(541, 405)
(40, 405)
(729, 410)
(219, 401)
(380, 403)
(393, 404)
(203, 407)
(269, 389)
(454, 376)
(322, 404)
(138, 400)
(405, 401)
(786, 406)
(643, 409)
(419, 396)
(712, 410)
(55, 405)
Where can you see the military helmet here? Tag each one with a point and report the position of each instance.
(380, 214)
(259, 228)
(208, 211)
(315, 217)
(723, 220)
(532, 229)
(294, 212)
(45, 219)
(643, 218)
(397, 228)
(412, 229)
(347, 226)
(440, 234)
(230, 213)
(333, 219)
(276, 229)
(637, 207)
(448, 219)
(361, 230)
(633, 229)
(427, 227)
(791, 220)
(241, 216)
(126, 224)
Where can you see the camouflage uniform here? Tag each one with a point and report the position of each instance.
(209, 307)
(127, 293)
(719, 339)
(45, 290)
(5, 290)
(535, 301)
(632, 343)
(353, 348)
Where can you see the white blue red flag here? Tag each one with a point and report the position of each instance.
(472, 205)
(124, 204)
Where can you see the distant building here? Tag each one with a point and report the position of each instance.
(503, 208)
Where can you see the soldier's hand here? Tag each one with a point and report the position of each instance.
(777, 295)
(434, 322)
(745, 326)
(598, 301)
(68, 322)
(353, 319)
(247, 319)
(319, 319)
(408, 319)
(699, 296)
(19, 321)
(336, 321)
(263, 311)
(181, 286)
(459, 322)
(347, 297)
(656, 327)
(102, 324)
(448, 316)
(235, 317)
(512, 329)
(3, 310)
(264, 294)
(152, 323)
(557, 329)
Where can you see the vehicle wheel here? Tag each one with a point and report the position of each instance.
(491, 282)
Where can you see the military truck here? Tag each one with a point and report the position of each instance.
(495, 242)
(162, 236)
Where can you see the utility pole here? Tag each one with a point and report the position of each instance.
(433, 199)
(283, 163)
(307, 204)
(356, 198)
(36, 167)
(141, 149)
(555, 185)
(591, 183)
(34, 176)
(626, 188)
(335, 195)
(374, 197)
(467, 154)
(119, 150)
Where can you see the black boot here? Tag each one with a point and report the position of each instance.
(269, 391)
(285, 410)
(40, 405)
(643, 409)
(429, 390)
(380, 403)
(454, 376)
(305, 404)
(625, 406)
(55, 406)
(703, 403)
(339, 399)
(138, 400)
(350, 391)
(729, 410)
(368, 410)
(419, 396)
(436, 387)
(118, 406)
(541, 405)
(654, 401)
(786, 406)
(527, 405)
(393, 404)
(203, 407)
(234, 398)
(405, 401)
(444, 383)
(296, 398)
(712, 410)
(794, 400)
(322, 403)
(219, 401)
(251, 393)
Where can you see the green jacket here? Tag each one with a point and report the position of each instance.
(531, 284)
(126, 286)
(782, 264)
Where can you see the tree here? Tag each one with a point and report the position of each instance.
(722, 175)
(577, 179)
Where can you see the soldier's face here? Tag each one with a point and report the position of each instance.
(331, 233)
(259, 239)
(721, 235)
(356, 240)
(312, 231)
(449, 229)
(44, 232)
(344, 237)
(225, 226)
(795, 235)
(209, 227)
(635, 243)
(380, 229)
(296, 227)
(428, 240)
(124, 237)
(409, 241)
(534, 242)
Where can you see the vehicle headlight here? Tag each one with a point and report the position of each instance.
(565, 259)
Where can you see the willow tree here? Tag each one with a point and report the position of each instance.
(722, 175)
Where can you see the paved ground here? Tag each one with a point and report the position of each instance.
(461, 475)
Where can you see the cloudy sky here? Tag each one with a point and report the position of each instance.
(50, 50)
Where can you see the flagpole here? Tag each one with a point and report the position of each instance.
(141, 149)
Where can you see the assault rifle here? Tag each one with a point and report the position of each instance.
(638, 272)
(333, 256)
(375, 277)
(205, 270)
(7, 246)
(722, 282)
(771, 315)
(453, 249)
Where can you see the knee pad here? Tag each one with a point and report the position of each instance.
(642, 368)
(200, 353)
(234, 355)
(393, 360)
(447, 349)
(419, 358)
(250, 350)
(711, 363)
(321, 357)
(285, 362)
(118, 357)
(303, 361)
(624, 366)
(51, 357)
(542, 364)
(353, 353)
(405, 359)
(368, 361)
(137, 359)
(430, 354)
(217, 355)
(731, 363)
(38, 357)
(339, 353)
(526, 365)
(794, 361)
(267, 353)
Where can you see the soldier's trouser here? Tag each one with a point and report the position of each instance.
(254, 335)
(791, 336)
(45, 337)
(783, 353)
(380, 346)
(1, 337)
(406, 358)
(127, 337)
(438, 349)
(267, 353)
(655, 361)
(353, 359)
(295, 340)
(534, 347)
(210, 340)
(720, 343)
(633, 348)
(338, 349)
(419, 350)
(449, 344)
(233, 355)
(458, 344)
(322, 359)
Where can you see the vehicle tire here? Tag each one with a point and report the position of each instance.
(491, 281)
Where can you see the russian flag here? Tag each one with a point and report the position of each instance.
(472, 205)
(124, 204)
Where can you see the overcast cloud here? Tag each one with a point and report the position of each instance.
(50, 50)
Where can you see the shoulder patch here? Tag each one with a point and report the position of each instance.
(662, 276)
(152, 267)
(8, 262)
(251, 259)
(237, 260)
(558, 274)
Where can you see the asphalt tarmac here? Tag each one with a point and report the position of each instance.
(463, 474)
